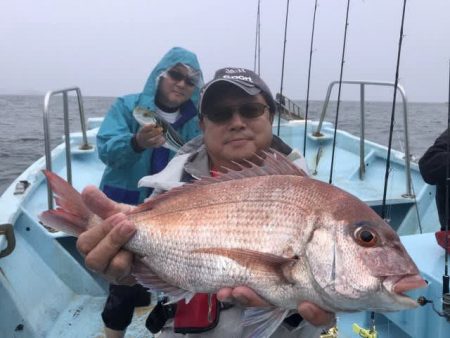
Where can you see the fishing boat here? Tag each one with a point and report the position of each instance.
(46, 291)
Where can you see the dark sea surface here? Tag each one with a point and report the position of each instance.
(22, 136)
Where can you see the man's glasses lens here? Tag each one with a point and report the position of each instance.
(246, 110)
(177, 76)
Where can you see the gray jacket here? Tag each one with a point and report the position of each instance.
(192, 159)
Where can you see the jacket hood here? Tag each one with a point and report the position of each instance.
(170, 59)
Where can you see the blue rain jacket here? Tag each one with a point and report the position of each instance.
(124, 166)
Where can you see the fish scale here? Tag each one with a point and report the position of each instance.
(186, 239)
(242, 223)
(287, 236)
(177, 227)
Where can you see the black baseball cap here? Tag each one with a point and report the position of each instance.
(247, 80)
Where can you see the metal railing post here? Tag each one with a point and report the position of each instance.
(362, 165)
(67, 137)
(362, 98)
(84, 146)
(324, 108)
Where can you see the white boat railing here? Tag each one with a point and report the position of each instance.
(362, 85)
(85, 145)
(288, 107)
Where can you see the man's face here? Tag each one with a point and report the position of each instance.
(174, 87)
(238, 137)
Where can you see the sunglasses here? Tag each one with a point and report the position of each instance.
(178, 76)
(249, 110)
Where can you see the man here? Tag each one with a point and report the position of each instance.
(433, 166)
(132, 148)
(237, 111)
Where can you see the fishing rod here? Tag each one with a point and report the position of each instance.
(445, 285)
(257, 62)
(282, 64)
(339, 92)
(391, 127)
(309, 77)
(445, 277)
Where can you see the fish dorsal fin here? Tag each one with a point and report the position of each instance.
(264, 163)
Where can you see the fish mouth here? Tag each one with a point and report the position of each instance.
(408, 283)
(399, 285)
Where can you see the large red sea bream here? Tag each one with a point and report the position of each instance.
(289, 237)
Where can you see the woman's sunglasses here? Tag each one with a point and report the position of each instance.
(249, 110)
(178, 76)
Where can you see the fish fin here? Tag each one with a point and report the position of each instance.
(180, 294)
(147, 278)
(66, 196)
(266, 320)
(61, 220)
(266, 263)
(264, 163)
(73, 216)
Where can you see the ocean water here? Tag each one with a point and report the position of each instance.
(22, 131)
(22, 136)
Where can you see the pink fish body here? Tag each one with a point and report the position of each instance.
(289, 237)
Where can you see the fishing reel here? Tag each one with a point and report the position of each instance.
(445, 305)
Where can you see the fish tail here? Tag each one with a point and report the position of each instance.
(61, 220)
(72, 215)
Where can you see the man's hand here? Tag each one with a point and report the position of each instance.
(315, 315)
(248, 298)
(101, 244)
(102, 248)
(150, 136)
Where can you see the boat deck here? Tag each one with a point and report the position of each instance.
(47, 292)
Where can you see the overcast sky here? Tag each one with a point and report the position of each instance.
(108, 47)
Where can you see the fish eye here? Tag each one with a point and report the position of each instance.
(365, 237)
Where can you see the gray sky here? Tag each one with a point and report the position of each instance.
(108, 47)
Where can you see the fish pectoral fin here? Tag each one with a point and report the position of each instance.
(265, 263)
(264, 321)
(148, 279)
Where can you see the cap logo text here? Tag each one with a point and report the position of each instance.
(239, 77)
(235, 70)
